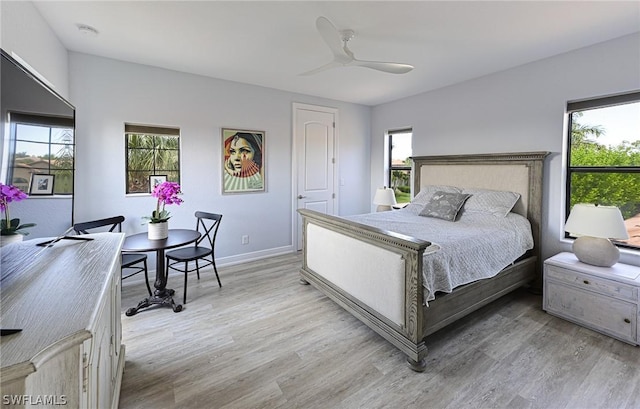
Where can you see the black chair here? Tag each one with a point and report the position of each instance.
(130, 261)
(207, 224)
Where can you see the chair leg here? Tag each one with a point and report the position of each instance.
(146, 278)
(197, 269)
(216, 270)
(184, 301)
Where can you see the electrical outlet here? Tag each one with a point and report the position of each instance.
(245, 239)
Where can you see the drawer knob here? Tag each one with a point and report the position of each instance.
(586, 282)
(627, 320)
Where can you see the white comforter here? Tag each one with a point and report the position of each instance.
(476, 246)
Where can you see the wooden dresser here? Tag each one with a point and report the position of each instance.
(66, 300)
(605, 299)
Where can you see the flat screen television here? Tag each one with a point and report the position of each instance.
(37, 149)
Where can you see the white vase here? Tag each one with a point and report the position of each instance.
(158, 231)
(11, 238)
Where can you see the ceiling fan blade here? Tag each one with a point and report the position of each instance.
(390, 67)
(332, 64)
(331, 36)
(342, 56)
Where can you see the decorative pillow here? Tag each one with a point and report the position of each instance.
(498, 203)
(426, 193)
(444, 205)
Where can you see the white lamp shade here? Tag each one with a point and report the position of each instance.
(596, 221)
(384, 197)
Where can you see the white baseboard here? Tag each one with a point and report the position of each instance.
(256, 255)
(220, 261)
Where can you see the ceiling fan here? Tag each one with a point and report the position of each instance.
(337, 41)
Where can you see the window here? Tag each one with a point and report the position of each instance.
(41, 145)
(151, 151)
(399, 166)
(604, 157)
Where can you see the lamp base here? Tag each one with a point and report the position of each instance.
(383, 208)
(596, 251)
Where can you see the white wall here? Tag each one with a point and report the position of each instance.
(521, 109)
(107, 93)
(24, 32)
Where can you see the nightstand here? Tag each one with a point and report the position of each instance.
(604, 299)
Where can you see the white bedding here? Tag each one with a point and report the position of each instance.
(476, 246)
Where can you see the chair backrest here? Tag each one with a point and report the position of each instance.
(112, 223)
(207, 224)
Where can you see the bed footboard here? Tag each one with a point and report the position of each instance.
(372, 273)
(376, 275)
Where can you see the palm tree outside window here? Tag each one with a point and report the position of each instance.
(41, 145)
(151, 151)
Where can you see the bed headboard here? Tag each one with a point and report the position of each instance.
(520, 172)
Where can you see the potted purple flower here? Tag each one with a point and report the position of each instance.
(167, 194)
(10, 229)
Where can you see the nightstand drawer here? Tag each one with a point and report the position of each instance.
(591, 283)
(601, 313)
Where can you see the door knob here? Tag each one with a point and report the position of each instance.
(301, 197)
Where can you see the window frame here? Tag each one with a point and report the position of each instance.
(389, 154)
(154, 131)
(46, 121)
(584, 105)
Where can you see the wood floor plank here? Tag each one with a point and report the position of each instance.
(265, 341)
(606, 382)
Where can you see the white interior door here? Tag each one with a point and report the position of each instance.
(314, 141)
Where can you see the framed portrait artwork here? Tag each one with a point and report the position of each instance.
(243, 157)
(155, 180)
(41, 185)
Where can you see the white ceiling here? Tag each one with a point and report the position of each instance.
(269, 43)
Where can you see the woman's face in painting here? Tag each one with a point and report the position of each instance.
(239, 150)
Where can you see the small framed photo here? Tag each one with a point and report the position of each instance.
(243, 157)
(41, 185)
(155, 180)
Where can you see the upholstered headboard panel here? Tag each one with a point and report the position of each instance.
(519, 172)
(512, 178)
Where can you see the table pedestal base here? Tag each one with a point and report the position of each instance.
(164, 298)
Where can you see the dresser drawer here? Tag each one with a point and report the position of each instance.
(601, 313)
(591, 283)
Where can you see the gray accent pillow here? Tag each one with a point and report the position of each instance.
(426, 193)
(444, 205)
(498, 203)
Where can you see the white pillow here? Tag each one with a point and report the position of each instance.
(496, 202)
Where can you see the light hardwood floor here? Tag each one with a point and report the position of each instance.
(265, 341)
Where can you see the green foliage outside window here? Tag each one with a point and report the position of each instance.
(43, 146)
(606, 175)
(401, 183)
(399, 176)
(149, 155)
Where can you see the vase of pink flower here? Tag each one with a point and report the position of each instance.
(167, 194)
(11, 230)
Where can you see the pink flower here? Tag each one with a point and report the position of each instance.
(9, 226)
(167, 193)
(10, 194)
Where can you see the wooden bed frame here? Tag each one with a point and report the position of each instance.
(392, 303)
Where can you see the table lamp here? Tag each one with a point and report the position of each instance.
(384, 198)
(594, 226)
